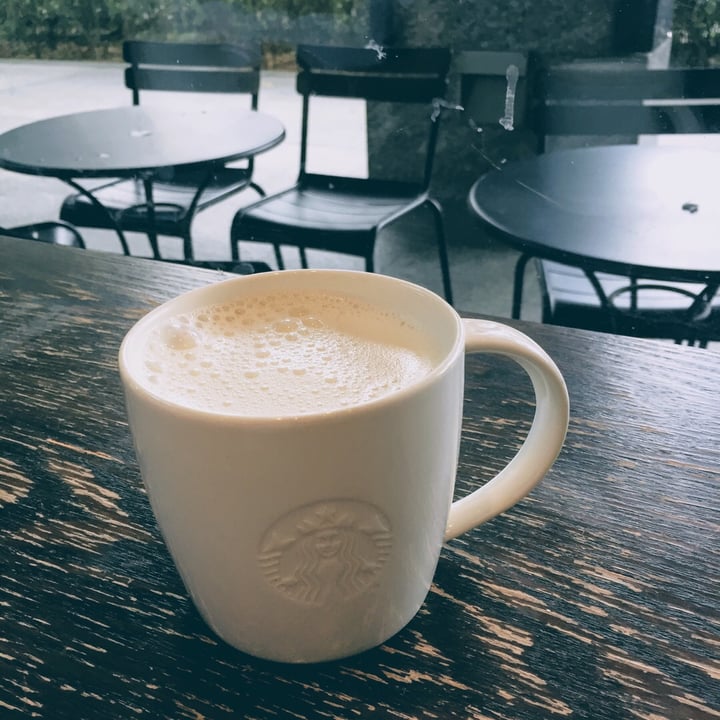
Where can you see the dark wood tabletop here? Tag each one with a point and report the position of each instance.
(126, 141)
(648, 210)
(595, 597)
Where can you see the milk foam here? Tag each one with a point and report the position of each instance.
(290, 353)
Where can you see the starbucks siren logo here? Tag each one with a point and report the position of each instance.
(326, 552)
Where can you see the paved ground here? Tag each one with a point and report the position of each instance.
(481, 270)
(30, 90)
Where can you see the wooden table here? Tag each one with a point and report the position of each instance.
(596, 597)
(135, 142)
(644, 211)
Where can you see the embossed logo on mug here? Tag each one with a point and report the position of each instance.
(326, 552)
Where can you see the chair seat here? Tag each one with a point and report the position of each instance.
(328, 213)
(570, 300)
(53, 232)
(125, 200)
(245, 267)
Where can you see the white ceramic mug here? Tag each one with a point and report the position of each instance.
(313, 537)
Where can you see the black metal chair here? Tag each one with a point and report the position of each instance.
(61, 233)
(229, 266)
(686, 313)
(180, 67)
(56, 233)
(344, 214)
(602, 102)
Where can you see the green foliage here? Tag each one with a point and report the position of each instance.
(696, 37)
(95, 28)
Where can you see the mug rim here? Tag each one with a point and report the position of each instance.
(130, 381)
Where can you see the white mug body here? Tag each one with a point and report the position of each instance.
(313, 536)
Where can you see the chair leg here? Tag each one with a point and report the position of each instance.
(234, 249)
(151, 223)
(303, 257)
(278, 257)
(257, 189)
(187, 245)
(518, 285)
(437, 214)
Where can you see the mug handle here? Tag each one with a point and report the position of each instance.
(544, 440)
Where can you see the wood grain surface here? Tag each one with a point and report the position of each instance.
(596, 597)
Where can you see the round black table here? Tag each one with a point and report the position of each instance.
(128, 141)
(135, 141)
(651, 212)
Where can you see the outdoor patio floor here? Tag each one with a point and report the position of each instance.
(32, 90)
(481, 269)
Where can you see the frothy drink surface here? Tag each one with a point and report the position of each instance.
(289, 353)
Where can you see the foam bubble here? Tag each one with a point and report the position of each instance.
(177, 336)
(153, 366)
(285, 354)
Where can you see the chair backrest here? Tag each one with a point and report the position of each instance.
(625, 100)
(394, 75)
(192, 67)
